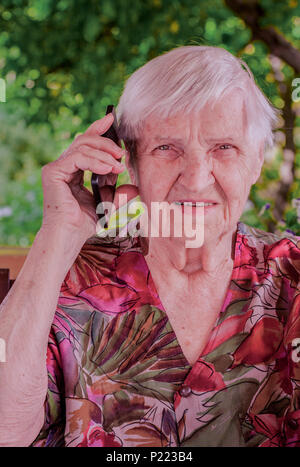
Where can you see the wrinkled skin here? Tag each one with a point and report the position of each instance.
(199, 157)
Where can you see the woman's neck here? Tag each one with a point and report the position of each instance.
(213, 257)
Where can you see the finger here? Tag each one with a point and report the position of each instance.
(101, 155)
(65, 170)
(99, 142)
(100, 126)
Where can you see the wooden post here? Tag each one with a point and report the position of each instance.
(4, 283)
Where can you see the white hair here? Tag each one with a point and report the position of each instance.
(184, 80)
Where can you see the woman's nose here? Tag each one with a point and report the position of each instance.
(197, 173)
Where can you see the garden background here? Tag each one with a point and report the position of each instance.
(63, 61)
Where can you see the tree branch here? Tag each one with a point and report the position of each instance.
(250, 11)
(288, 165)
(289, 150)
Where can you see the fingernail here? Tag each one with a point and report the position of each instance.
(118, 168)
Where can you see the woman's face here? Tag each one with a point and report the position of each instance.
(200, 158)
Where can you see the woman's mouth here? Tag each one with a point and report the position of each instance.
(195, 203)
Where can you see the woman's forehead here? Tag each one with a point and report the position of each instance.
(224, 119)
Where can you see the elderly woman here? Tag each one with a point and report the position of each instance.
(166, 345)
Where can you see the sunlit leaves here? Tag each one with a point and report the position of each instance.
(64, 61)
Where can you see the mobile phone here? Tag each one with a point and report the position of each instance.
(104, 186)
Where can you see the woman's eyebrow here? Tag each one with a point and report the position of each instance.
(172, 139)
(220, 138)
(158, 139)
(169, 138)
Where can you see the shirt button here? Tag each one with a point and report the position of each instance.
(185, 391)
(293, 424)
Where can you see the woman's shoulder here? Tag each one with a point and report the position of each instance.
(98, 259)
(107, 275)
(267, 238)
(279, 243)
(261, 237)
(107, 284)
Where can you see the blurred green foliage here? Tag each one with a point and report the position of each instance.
(64, 61)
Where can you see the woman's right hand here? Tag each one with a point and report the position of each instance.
(67, 203)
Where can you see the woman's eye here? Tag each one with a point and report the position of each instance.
(223, 151)
(164, 147)
(166, 151)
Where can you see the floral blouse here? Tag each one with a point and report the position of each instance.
(118, 376)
